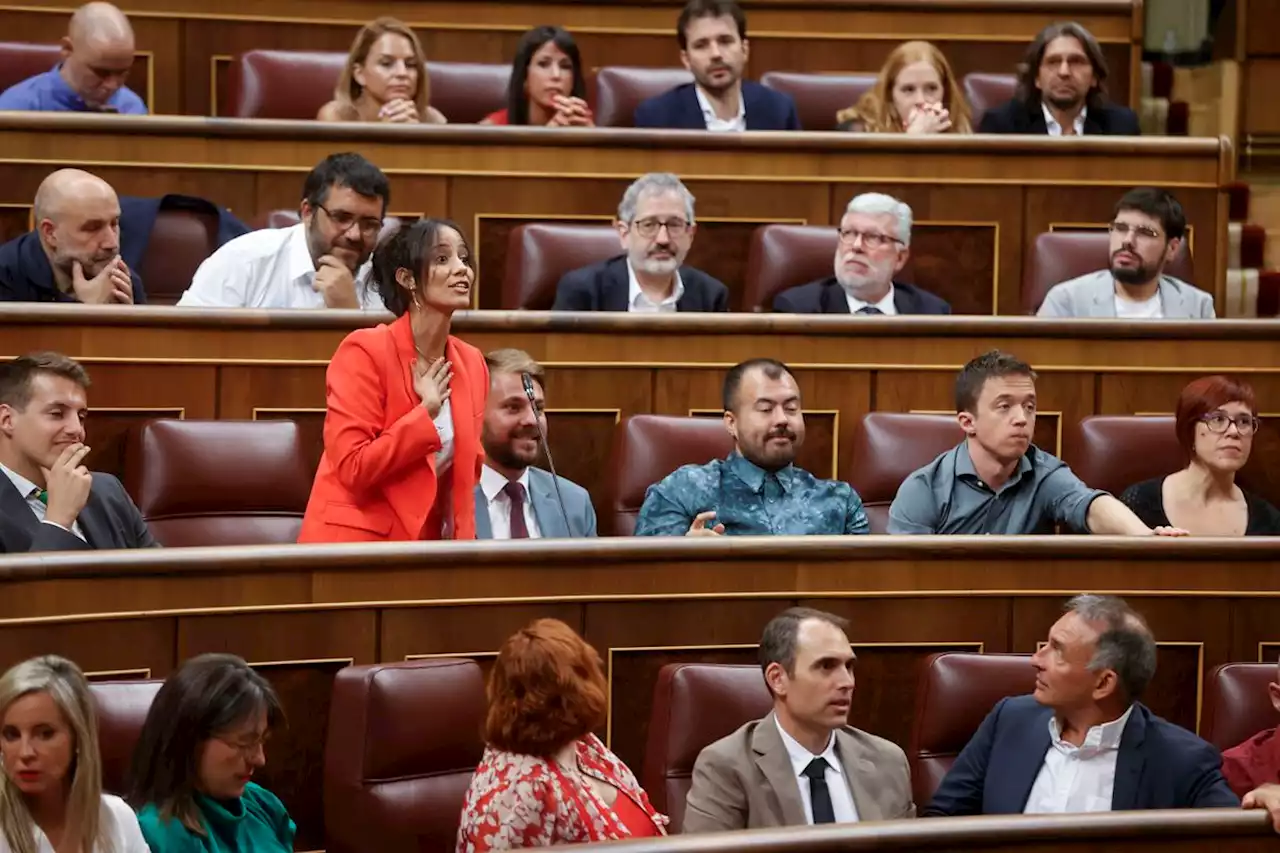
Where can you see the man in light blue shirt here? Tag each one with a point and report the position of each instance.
(97, 54)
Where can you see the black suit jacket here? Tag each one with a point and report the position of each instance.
(764, 108)
(1021, 117)
(109, 519)
(607, 287)
(826, 296)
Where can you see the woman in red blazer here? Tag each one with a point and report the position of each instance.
(406, 401)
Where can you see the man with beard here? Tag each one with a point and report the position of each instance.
(322, 262)
(1062, 90)
(874, 243)
(713, 46)
(757, 490)
(1147, 230)
(656, 227)
(996, 480)
(74, 253)
(515, 500)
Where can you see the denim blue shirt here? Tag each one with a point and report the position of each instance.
(48, 92)
(749, 501)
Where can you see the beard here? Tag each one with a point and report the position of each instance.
(658, 266)
(770, 458)
(1139, 274)
(90, 264)
(1064, 102)
(503, 451)
(319, 246)
(724, 84)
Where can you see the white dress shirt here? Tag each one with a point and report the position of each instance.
(638, 302)
(885, 305)
(492, 483)
(1055, 129)
(268, 268)
(444, 428)
(1146, 309)
(117, 822)
(737, 124)
(837, 786)
(28, 490)
(1078, 778)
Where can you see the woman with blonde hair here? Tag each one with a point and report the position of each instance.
(385, 79)
(916, 92)
(51, 792)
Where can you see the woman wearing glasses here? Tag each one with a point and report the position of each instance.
(199, 748)
(1217, 419)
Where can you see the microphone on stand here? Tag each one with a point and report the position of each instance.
(527, 381)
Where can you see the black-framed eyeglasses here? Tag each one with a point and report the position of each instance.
(1246, 424)
(344, 220)
(870, 239)
(1123, 229)
(648, 228)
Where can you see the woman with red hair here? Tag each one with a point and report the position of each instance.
(916, 92)
(1216, 421)
(545, 778)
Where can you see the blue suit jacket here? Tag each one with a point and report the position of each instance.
(1159, 766)
(27, 276)
(542, 492)
(678, 109)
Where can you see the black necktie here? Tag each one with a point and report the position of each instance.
(869, 309)
(818, 793)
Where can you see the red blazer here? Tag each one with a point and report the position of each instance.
(377, 479)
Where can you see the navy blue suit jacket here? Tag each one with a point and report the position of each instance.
(678, 109)
(1159, 766)
(826, 296)
(1023, 117)
(27, 276)
(607, 287)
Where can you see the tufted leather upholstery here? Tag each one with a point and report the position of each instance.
(819, 97)
(647, 448)
(404, 740)
(694, 705)
(295, 84)
(619, 90)
(957, 690)
(180, 241)
(887, 448)
(1112, 452)
(539, 253)
(987, 91)
(783, 256)
(1059, 256)
(122, 708)
(1236, 703)
(219, 482)
(19, 60)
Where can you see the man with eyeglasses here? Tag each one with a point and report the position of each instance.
(1147, 231)
(656, 227)
(322, 262)
(873, 246)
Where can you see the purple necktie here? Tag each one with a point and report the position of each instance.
(515, 494)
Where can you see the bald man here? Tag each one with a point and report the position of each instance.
(74, 253)
(97, 53)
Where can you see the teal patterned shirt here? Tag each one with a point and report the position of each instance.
(749, 501)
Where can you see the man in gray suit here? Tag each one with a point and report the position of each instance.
(803, 763)
(515, 500)
(1147, 230)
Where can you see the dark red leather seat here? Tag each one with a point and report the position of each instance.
(647, 448)
(122, 708)
(1237, 704)
(694, 705)
(1059, 256)
(819, 97)
(957, 691)
(887, 448)
(783, 256)
(180, 241)
(539, 253)
(20, 60)
(987, 91)
(466, 92)
(219, 482)
(619, 90)
(1112, 452)
(404, 740)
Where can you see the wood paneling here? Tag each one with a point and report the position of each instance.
(1262, 78)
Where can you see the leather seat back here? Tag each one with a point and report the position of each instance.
(180, 241)
(619, 90)
(20, 60)
(466, 92)
(986, 92)
(887, 448)
(783, 256)
(540, 253)
(122, 708)
(1112, 452)
(819, 97)
(1059, 256)
(1236, 703)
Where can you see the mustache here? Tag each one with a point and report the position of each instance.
(781, 432)
(523, 432)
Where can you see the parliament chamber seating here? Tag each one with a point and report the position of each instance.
(987, 91)
(1112, 452)
(219, 482)
(20, 60)
(957, 690)
(819, 97)
(694, 705)
(180, 241)
(403, 742)
(539, 253)
(783, 256)
(620, 89)
(647, 448)
(887, 448)
(1237, 703)
(1058, 256)
(122, 708)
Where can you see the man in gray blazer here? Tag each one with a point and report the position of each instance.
(513, 499)
(1147, 230)
(801, 764)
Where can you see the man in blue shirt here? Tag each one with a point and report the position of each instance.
(97, 54)
(757, 490)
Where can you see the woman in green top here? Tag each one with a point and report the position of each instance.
(201, 743)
